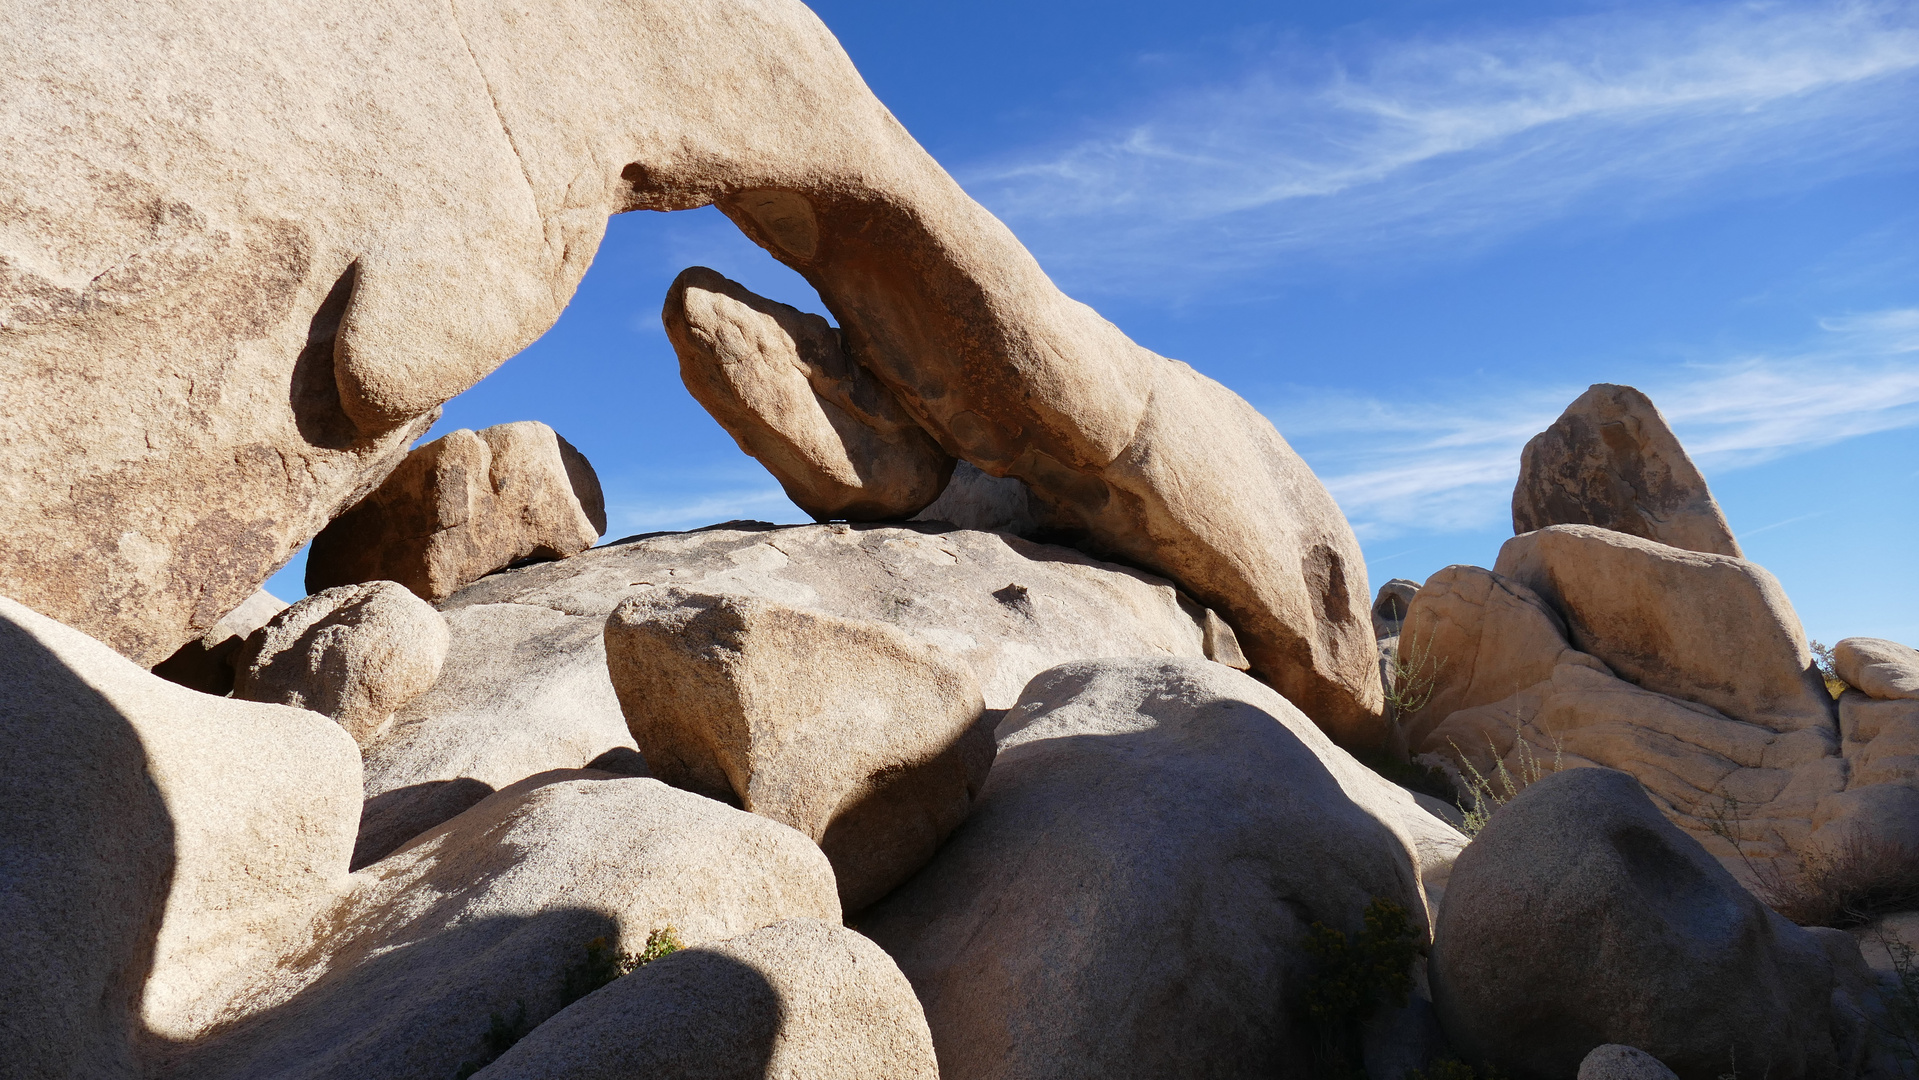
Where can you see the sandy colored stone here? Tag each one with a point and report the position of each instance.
(1130, 893)
(485, 915)
(158, 845)
(461, 507)
(1707, 628)
(1580, 916)
(1615, 1062)
(975, 499)
(246, 232)
(1611, 460)
(801, 998)
(206, 663)
(1881, 669)
(355, 654)
(860, 737)
(778, 381)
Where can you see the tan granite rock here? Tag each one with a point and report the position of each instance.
(778, 381)
(867, 741)
(1610, 460)
(461, 507)
(1470, 638)
(1879, 668)
(206, 663)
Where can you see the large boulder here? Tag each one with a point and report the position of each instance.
(356, 654)
(1707, 628)
(1132, 892)
(850, 731)
(778, 381)
(477, 932)
(1879, 668)
(1611, 460)
(225, 322)
(1580, 916)
(1471, 638)
(801, 998)
(206, 663)
(461, 507)
(157, 847)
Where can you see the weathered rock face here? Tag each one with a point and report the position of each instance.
(1130, 893)
(1610, 460)
(864, 739)
(1476, 638)
(1707, 628)
(778, 381)
(973, 499)
(486, 916)
(206, 663)
(801, 998)
(296, 305)
(1879, 668)
(1580, 916)
(355, 654)
(1615, 1062)
(461, 507)
(158, 845)
(1389, 607)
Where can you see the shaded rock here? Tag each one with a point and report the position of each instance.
(1390, 606)
(1131, 892)
(1610, 460)
(158, 846)
(976, 499)
(206, 663)
(800, 998)
(1615, 1062)
(390, 819)
(778, 381)
(1580, 874)
(355, 654)
(852, 732)
(461, 507)
(1707, 628)
(1881, 669)
(485, 922)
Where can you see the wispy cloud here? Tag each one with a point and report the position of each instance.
(1394, 142)
(1438, 465)
(669, 513)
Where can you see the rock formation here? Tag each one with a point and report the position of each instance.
(1611, 461)
(778, 381)
(1580, 874)
(1880, 669)
(206, 663)
(1615, 1062)
(801, 998)
(461, 507)
(1130, 893)
(355, 654)
(850, 731)
(973, 499)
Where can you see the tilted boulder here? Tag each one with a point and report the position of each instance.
(850, 731)
(1707, 628)
(1133, 889)
(1580, 916)
(1470, 638)
(479, 931)
(206, 663)
(800, 998)
(1879, 668)
(157, 845)
(461, 507)
(356, 654)
(778, 381)
(1610, 460)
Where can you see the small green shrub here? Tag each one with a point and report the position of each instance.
(1412, 676)
(1822, 659)
(1861, 879)
(1488, 793)
(1352, 979)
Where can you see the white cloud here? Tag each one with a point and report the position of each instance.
(1439, 465)
(1420, 139)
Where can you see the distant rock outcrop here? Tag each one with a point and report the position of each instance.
(778, 381)
(1611, 461)
(460, 508)
(206, 663)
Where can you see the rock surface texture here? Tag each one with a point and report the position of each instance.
(778, 381)
(158, 846)
(1880, 669)
(206, 663)
(1580, 916)
(461, 507)
(1615, 1062)
(355, 654)
(974, 499)
(1610, 460)
(801, 998)
(867, 741)
(293, 308)
(1130, 894)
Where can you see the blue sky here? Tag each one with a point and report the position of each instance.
(1409, 232)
